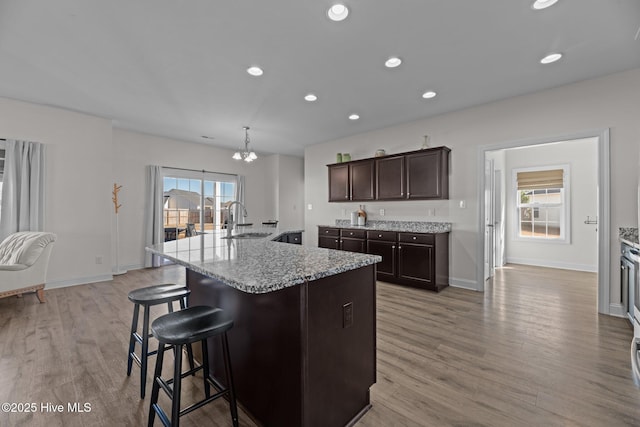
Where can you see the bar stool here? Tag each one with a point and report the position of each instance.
(182, 328)
(147, 297)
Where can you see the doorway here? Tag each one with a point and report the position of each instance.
(491, 208)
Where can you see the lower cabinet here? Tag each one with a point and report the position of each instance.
(294, 238)
(414, 259)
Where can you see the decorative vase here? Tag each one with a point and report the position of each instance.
(346, 157)
(339, 158)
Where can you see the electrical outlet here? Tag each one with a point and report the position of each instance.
(347, 315)
(98, 259)
(431, 212)
(463, 204)
(381, 212)
(309, 206)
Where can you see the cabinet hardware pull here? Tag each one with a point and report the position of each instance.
(414, 237)
(393, 246)
(379, 235)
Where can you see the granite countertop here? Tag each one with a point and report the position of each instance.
(258, 265)
(406, 226)
(629, 235)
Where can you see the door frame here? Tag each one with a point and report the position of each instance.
(604, 205)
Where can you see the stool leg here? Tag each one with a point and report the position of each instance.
(132, 340)
(177, 379)
(156, 387)
(170, 305)
(145, 351)
(205, 368)
(232, 392)
(183, 304)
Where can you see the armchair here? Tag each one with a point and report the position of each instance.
(24, 258)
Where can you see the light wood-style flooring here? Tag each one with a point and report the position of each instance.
(530, 351)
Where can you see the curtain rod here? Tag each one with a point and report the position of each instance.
(198, 170)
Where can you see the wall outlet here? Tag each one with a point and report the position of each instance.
(309, 206)
(431, 212)
(463, 204)
(99, 259)
(381, 212)
(347, 315)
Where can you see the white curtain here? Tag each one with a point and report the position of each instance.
(154, 231)
(239, 196)
(23, 187)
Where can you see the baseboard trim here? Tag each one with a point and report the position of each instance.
(77, 281)
(616, 309)
(463, 283)
(553, 264)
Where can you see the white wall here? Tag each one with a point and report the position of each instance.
(133, 151)
(86, 155)
(290, 211)
(608, 102)
(582, 251)
(78, 180)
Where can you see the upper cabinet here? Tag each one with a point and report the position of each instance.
(352, 181)
(415, 175)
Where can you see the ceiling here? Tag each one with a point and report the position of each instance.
(178, 69)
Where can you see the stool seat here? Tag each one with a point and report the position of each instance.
(158, 294)
(191, 325)
(182, 328)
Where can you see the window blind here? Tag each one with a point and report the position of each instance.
(544, 179)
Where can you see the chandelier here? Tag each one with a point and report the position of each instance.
(247, 155)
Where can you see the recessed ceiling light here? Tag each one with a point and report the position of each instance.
(338, 12)
(543, 4)
(393, 62)
(255, 71)
(429, 94)
(310, 97)
(552, 57)
(354, 117)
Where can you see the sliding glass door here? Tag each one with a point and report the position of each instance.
(195, 202)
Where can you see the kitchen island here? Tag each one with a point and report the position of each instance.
(303, 344)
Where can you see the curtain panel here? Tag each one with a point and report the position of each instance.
(23, 188)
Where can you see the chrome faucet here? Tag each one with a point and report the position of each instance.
(230, 222)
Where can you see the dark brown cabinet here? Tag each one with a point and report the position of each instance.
(329, 237)
(362, 180)
(353, 240)
(390, 178)
(352, 181)
(415, 175)
(339, 183)
(414, 259)
(427, 174)
(383, 243)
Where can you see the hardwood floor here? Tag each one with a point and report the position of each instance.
(530, 351)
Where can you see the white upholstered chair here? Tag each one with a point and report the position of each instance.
(24, 258)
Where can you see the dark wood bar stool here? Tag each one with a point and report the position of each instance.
(147, 297)
(183, 328)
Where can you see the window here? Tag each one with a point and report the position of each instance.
(195, 198)
(541, 200)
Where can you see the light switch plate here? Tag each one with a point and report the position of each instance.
(463, 204)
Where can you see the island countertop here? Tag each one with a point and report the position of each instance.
(258, 265)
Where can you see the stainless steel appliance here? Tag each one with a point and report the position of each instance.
(630, 280)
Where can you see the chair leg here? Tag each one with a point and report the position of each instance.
(40, 295)
(145, 352)
(232, 392)
(156, 386)
(177, 379)
(132, 340)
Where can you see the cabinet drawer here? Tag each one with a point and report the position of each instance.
(328, 231)
(425, 239)
(354, 234)
(387, 236)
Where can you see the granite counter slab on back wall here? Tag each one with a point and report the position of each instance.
(629, 234)
(406, 226)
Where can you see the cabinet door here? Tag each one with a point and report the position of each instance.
(390, 178)
(361, 177)
(353, 245)
(294, 238)
(386, 270)
(416, 264)
(329, 242)
(427, 175)
(339, 183)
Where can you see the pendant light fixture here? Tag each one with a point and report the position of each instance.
(247, 155)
